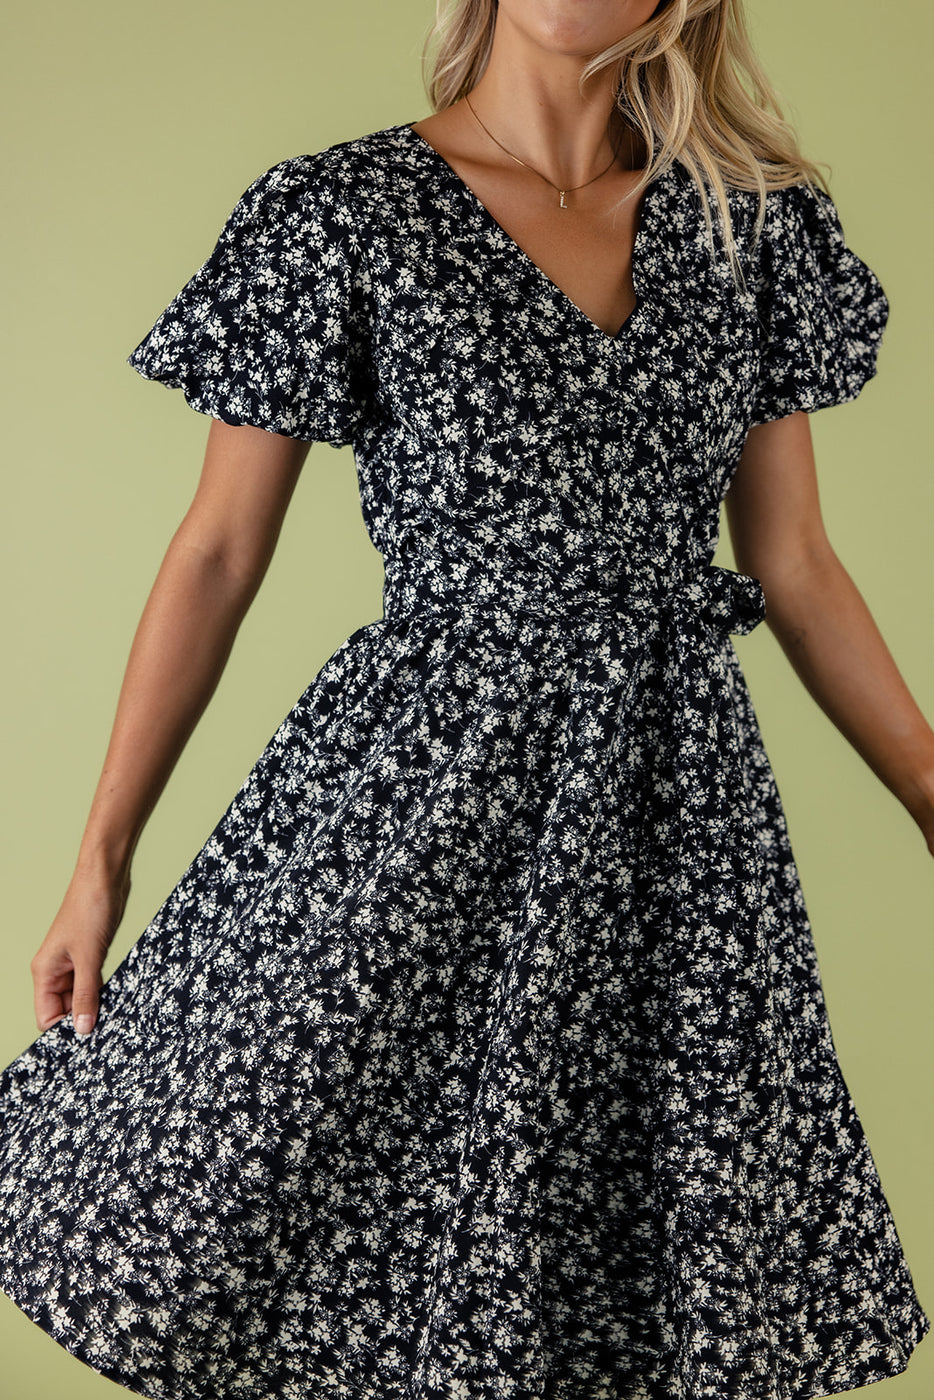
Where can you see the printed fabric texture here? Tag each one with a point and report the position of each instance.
(481, 1053)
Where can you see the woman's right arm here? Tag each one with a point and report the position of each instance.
(211, 572)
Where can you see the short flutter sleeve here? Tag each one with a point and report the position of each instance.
(272, 329)
(821, 310)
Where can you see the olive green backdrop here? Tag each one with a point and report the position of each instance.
(131, 130)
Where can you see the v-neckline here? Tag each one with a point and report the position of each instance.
(557, 294)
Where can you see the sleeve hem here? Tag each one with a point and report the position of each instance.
(808, 401)
(217, 406)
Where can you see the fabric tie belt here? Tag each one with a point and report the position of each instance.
(452, 573)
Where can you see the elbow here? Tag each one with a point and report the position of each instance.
(235, 572)
(796, 582)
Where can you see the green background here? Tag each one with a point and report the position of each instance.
(131, 132)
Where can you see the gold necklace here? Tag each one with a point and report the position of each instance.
(561, 193)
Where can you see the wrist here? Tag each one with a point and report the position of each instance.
(916, 793)
(105, 862)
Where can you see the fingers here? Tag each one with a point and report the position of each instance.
(84, 1001)
(49, 1005)
(52, 981)
(66, 969)
(67, 983)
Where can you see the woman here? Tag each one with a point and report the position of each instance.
(482, 1051)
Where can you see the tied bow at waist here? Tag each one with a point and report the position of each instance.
(449, 573)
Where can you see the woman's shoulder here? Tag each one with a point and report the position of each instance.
(337, 179)
(800, 220)
(773, 223)
(788, 211)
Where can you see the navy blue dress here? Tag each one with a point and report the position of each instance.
(481, 1052)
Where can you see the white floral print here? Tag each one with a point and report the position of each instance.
(481, 1053)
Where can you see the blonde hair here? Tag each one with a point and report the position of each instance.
(688, 80)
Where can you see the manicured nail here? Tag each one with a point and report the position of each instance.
(83, 1024)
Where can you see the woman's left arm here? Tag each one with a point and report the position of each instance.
(819, 616)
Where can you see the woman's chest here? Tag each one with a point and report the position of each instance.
(472, 342)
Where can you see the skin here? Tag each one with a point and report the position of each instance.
(219, 554)
(529, 98)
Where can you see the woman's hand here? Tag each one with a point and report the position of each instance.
(66, 969)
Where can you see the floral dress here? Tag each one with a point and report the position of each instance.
(481, 1052)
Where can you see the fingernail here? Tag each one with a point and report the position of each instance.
(83, 1024)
